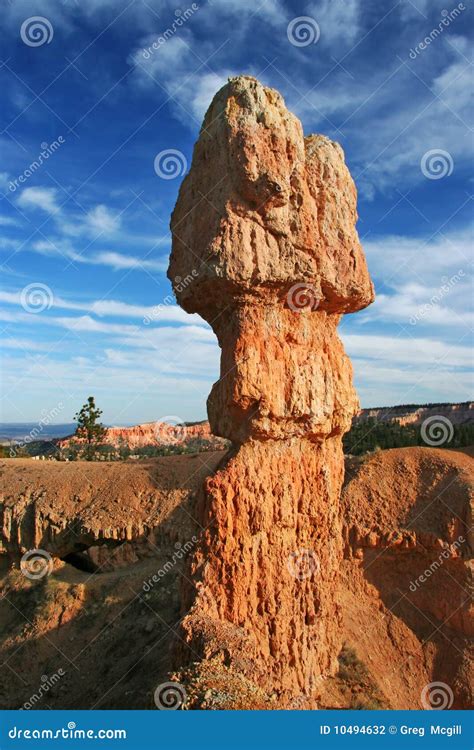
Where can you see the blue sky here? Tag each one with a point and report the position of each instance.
(84, 234)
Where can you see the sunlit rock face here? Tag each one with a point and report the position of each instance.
(265, 222)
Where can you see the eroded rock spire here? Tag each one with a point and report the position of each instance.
(265, 221)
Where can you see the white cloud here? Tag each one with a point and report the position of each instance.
(26, 345)
(189, 84)
(416, 305)
(246, 11)
(435, 115)
(162, 312)
(453, 85)
(119, 261)
(101, 219)
(338, 21)
(392, 154)
(408, 351)
(400, 260)
(388, 384)
(110, 258)
(128, 393)
(7, 243)
(87, 324)
(423, 282)
(39, 197)
(8, 221)
(390, 370)
(418, 10)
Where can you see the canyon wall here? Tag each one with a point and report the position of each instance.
(156, 434)
(183, 433)
(462, 413)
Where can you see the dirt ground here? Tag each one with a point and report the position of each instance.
(102, 639)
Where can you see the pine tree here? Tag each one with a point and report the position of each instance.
(89, 428)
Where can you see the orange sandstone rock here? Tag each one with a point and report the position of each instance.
(266, 220)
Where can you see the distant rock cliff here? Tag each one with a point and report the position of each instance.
(163, 433)
(158, 433)
(412, 414)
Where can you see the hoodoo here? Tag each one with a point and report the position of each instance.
(265, 221)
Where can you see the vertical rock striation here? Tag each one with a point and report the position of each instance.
(266, 220)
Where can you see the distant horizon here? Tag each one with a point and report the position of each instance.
(431, 404)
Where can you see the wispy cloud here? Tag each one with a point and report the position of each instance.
(101, 219)
(189, 85)
(162, 312)
(43, 198)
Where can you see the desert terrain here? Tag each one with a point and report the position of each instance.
(110, 528)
